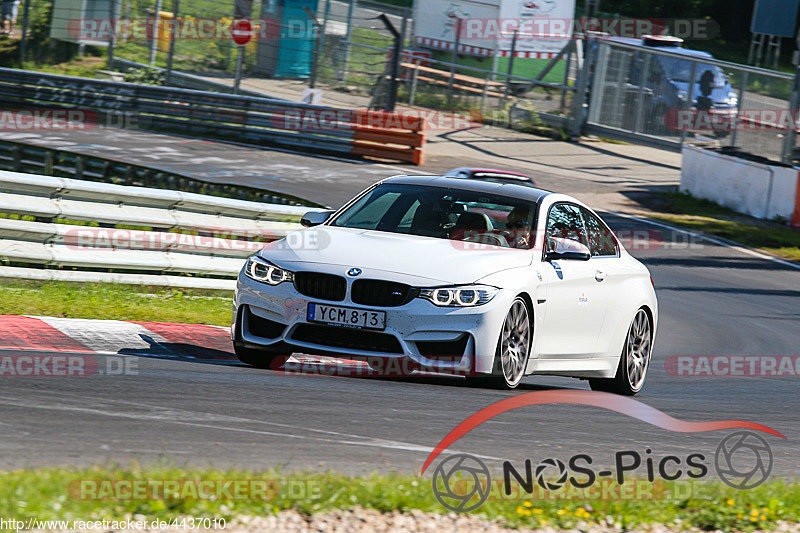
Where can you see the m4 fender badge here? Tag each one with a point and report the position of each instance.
(583, 299)
(354, 272)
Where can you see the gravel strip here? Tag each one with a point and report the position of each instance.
(361, 520)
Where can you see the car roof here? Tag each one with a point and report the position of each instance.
(672, 49)
(521, 191)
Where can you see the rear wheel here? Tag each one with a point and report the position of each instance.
(513, 349)
(633, 362)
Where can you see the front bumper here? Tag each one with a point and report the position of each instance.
(418, 331)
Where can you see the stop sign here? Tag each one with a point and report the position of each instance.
(241, 31)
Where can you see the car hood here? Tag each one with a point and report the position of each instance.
(405, 258)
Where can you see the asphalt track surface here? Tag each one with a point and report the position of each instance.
(714, 300)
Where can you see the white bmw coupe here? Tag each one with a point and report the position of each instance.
(490, 281)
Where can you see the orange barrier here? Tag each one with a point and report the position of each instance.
(389, 136)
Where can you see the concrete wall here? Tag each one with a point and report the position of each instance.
(755, 189)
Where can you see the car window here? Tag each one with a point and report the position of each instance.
(444, 213)
(371, 209)
(565, 222)
(602, 242)
(405, 223)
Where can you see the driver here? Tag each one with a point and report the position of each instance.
(519, 227)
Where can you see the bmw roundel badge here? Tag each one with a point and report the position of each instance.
(354, 272)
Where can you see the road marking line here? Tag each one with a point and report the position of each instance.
(737, 247)
(202, 420)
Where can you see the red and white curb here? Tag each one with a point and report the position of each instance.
(110, 337)
(116, 337)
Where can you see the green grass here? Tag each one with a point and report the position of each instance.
(115, 302)
(774, 237)
(56, 494)
(85, 67)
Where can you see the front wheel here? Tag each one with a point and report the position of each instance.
(513, 349)
(263, 358)
(633, 362)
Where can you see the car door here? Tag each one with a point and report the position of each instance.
(576, 300)
(609, 269)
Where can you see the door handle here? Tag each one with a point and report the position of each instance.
(599, 276)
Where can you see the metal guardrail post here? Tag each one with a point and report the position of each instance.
(16, 152)
(112, 37)
(80, 164)
(734, 134)
(319, 36)
(511, 62)
(395, 71)
(172, 38)
(346, 43)
(790, 134)
(690, 100)
(413, 92)
(24, 41)
(567, 65)
(154, 40)
(237, 76)
(483, 95)
(453, 62)
(48, 163)
(645, 73)
(579, 98)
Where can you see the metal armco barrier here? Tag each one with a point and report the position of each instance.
(223, 116)
(63, 224)
(23, 157)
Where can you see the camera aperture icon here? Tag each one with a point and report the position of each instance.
(461, 483)
(743, 460)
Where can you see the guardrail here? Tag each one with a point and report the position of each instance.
(154, 236)
(245, 118)
(23, 157)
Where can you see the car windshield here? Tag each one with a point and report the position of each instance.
(681, 70)
(443, 213)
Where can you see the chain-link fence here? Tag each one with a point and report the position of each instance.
(345, 49)
(672, 95)
(351, 62)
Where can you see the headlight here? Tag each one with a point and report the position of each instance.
(733, 99)
(683, 95)
(265, 272)
(465, 296)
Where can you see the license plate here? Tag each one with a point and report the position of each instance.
(346, 316)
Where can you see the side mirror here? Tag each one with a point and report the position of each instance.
(568, 250)
(315, 218)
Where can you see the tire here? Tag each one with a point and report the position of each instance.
(513, 349)
(634, 360)
(260, 358)
(266, 357)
